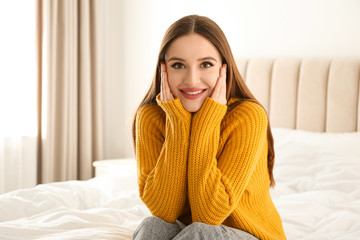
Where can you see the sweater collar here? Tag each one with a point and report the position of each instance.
(231, 101)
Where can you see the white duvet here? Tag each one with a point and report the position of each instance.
(317, 194)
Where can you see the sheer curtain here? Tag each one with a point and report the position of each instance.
(17, 95)
(51, 62)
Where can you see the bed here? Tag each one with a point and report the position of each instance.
(314, 110)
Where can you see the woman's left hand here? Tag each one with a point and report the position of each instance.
(219, 93)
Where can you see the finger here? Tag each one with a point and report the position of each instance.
(162, 89)
(222, 79)
(164, 69)
(169, 95)
(224, 67)
(223, 82)
(165, 85)
(222, 94)
(216, 91)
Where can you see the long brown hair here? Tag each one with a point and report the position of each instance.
(236, 87)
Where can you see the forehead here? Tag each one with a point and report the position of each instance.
(192, 47)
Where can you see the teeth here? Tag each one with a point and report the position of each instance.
(194, 93)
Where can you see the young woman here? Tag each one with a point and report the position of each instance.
(203, 144)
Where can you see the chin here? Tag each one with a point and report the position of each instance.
(192, 107)
(192, 110)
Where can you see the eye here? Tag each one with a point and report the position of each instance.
(206, 65)
(178, 65)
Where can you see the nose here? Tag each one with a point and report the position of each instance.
(192, 77)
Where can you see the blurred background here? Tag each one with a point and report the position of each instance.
(126, 40)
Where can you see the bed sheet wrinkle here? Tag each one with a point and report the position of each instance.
(317, 192)
(317, 195)
(103, 215)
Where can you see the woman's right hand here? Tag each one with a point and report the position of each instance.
(165, 92)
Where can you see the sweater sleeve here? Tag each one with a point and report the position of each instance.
(161, 153)
(217, 179)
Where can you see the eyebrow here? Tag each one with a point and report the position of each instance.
(199, 60)
(207, 58)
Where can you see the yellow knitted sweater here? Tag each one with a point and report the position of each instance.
(209, 166)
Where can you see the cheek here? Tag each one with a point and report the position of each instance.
(211, 78)
(174, 82)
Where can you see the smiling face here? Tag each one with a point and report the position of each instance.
(193, 65)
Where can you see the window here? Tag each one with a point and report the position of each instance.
(17, 94)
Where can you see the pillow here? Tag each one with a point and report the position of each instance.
(309, 160)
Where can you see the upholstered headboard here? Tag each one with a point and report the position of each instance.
(321, 95)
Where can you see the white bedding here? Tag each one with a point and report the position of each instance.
(317, 195)
(318, 184)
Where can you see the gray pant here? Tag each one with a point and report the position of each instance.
(157, 229)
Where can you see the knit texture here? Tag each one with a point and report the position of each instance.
(210, 166)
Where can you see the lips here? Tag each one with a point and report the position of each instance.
(192, 93)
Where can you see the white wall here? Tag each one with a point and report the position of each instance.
(254, 28)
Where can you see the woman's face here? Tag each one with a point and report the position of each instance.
(193, 66)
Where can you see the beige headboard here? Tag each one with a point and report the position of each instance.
(321, 95)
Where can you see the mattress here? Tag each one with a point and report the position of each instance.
(317, 194)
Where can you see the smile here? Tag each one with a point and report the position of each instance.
(192, 93)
